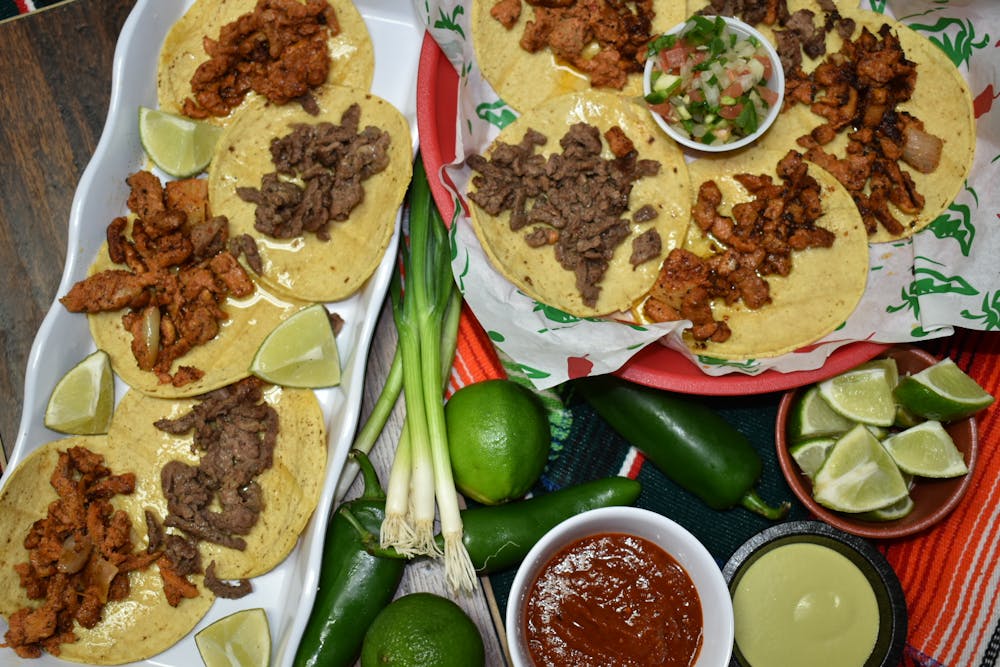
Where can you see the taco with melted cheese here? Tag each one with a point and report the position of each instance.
(578, 201)
(529, 52)
(318, 194)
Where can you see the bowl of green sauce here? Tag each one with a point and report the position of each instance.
(806, 593)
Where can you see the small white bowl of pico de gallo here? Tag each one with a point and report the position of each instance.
(713, 83)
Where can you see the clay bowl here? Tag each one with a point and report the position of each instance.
(933, 499)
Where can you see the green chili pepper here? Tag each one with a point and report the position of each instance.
(356, 580)
(693, 445)
(498, 537)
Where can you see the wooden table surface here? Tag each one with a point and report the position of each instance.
(55, 77)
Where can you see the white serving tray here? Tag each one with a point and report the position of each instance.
(288, 591)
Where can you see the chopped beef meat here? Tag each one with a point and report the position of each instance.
(246, 246)
(756, 241)
(225, 589)
(604, 39)
(332, 161)
(279, 50)
(573, 200)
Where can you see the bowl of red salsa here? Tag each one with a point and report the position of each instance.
(713, 83)
(619, 586)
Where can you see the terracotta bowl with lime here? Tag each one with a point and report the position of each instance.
(883, 450)
(713, 83)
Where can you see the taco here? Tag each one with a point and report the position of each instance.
(614, 203)
(932, 127)
(789, 299)
(322, 223)
(350, 49)
(523, 79)
(130, 629)
(290, 486)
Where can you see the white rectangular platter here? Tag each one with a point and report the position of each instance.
(287, 592)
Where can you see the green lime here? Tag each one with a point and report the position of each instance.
(896, 510)
(242, 639)
(300, 352)
(422, 629)
(888, 364)
(858, 475)
(862, 395)
(813, 417)
(498, 439)
(926, 450)
(943, 392)
(83, 400)
(810, 454)
(180, 146)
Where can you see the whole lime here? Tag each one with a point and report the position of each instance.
(422, 630)
(498, 438)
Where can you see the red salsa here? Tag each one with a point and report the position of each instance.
(609, 600)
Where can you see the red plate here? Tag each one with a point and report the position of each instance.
(655, 366)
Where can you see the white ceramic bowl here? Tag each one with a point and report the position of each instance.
(716, 604)
(776, 84)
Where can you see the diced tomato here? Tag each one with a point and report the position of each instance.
(768, 95)
(735, 89)
(672, 59)
(697, 95)
(665, 109)
(766, 62)
(731, 111)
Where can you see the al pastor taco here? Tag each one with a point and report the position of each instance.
(532, 51)
(318, 194)
(53, 500)
(222, 53)
(776, 257)
(579, 200)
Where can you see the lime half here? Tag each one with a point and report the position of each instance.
(858, 475)
(862, 395)
(83, 400)
(926, 450)
(180, 146)
(300, 352)
(943, 392)
(242, 639)
(813, 417)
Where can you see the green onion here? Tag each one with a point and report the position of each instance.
(420, 315)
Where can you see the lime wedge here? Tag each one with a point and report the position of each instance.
(858, 475)
(926, 450)
(888, 364)
(811, 454)
(943, 392)
(896, 510)
(862, 395)
(812, 417)
(180, 146)
(300, 352)
(242, 639)
(84, 398)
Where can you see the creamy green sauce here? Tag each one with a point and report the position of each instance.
(805, 604)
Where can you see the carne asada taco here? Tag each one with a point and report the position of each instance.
(590, 236)
(319, 194)
(323, 43)
(605, 49)
(128, 629)
(776, 257)
(286, 471)
(905, 145)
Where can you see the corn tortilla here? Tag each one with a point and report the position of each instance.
(133, 629)
(536, 271)
(305, 267)
(352, 55)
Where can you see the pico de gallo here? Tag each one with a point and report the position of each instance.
(710, 83)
